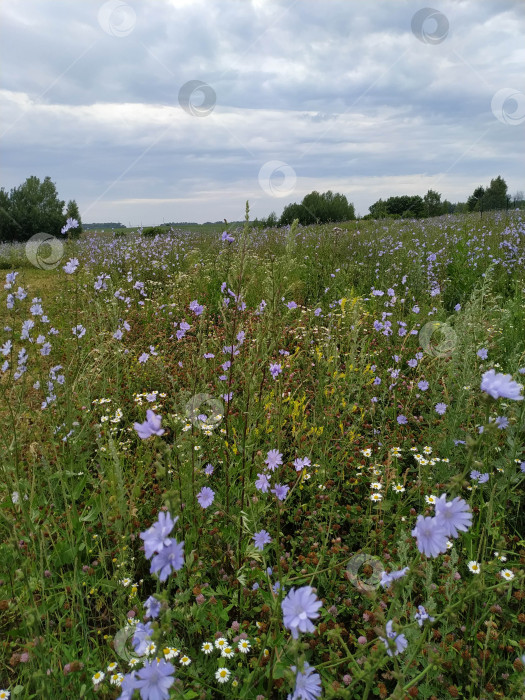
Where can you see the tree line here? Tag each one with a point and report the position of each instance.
(318, 208)
(34, 207)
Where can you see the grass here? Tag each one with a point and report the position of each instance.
(79, 485)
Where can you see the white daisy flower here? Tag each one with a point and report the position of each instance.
(222, 675)
(227, 652)
(221, 643)
(185, 660)
(207, 647)
(98, 677)
(507, 574)
(474, 567)
(244, 646)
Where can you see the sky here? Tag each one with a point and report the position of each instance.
(152, 111)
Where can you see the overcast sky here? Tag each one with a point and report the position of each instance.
(370, 99)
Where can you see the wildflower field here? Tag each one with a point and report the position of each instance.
(281, 463)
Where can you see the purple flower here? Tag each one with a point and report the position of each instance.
(261, 538)
(500, 385)
(299, 608)
(196, 308)
(205, 497)
(402, 420)
(273, 459)
(151, 426)
(226, 237)
(143, 358)
(423, 385)
(431, 536)
(300, 464)
(307, 684)
(483, 353)
(457, 307)
(208, 470)
(386, 579)
(171, 557)
(275, 369)
(262, 483)
(399, 640)
(71, 266)
(141, 637)
(502, 422)
(291, 305)
(453, 516)
(152, 606)
(412, 363)
(70, 223)
(317, 312)
(128, 686)
(157, 536)
(483, 478)
(422, 615)
(441, 408)
(280, 491)
(208, 355)
(155, 679)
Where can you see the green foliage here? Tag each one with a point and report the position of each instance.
(31, 208)
(152, 231)
(319, 208)
(493, 197)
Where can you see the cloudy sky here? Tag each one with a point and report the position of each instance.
(147, 111)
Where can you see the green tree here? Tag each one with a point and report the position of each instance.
(432, 203)
(319, 208)
(475, 201)
(72, 212)
(35, 207)
(496, 194)
(9, 227)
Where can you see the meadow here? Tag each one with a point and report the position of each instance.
(280, 463)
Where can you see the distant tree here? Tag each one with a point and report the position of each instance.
(34, 207)
(475, 201)
(271, 220)
(405, 206)
(9, 227)
(378, 210)
(319, 208)
(432, 203)
(447, 207)
(72, 212)
(496, 194)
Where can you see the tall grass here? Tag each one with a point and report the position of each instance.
(79, 485)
